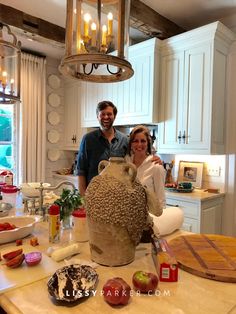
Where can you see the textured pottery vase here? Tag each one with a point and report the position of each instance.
(117, 212)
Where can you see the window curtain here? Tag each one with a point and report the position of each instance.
(32, 118)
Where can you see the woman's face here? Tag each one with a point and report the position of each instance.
(139, 144)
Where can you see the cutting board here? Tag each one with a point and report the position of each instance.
(206, 255)
(11, 278)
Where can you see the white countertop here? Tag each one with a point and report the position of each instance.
(196, 195)
(190, 295)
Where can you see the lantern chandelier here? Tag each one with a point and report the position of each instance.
(10, 59)
(96, 42)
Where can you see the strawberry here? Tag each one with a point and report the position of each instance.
(18, 242)
(12, 254)
(34, 241)
(16, 261)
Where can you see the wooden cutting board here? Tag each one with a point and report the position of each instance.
(23, 275)
(206, 255)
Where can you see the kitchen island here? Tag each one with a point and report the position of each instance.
(190, 295)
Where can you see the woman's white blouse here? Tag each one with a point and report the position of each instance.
(152, 176)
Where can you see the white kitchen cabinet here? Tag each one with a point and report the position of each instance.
(193, 78)
(139, 102)
(200, 215)
(136, 98)
(73, 131)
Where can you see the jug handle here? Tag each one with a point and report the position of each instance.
(129, 166)
(102, 165)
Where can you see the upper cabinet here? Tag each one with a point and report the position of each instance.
(72, 115)
(192, 93)
(137, 98)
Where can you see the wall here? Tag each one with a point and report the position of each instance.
(216, 162)
(66, 158)
(229, 213)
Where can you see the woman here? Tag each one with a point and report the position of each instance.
(153, 177)
(149, 174)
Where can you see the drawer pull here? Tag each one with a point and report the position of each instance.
(171, 205)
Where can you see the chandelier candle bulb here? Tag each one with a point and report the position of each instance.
(12, 85)
(87, 18)
(104, 35)
(110, 23)
(4, 78)
(93, 39)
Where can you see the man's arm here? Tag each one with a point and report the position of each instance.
(82, 185)
(157, 160)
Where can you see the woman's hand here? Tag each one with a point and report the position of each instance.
(157, 160)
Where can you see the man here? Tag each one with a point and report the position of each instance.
(101, 144)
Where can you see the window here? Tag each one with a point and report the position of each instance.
(8, 152)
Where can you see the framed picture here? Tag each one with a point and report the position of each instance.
(191, 172)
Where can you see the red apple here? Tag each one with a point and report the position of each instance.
(116, 291)
(145, 282)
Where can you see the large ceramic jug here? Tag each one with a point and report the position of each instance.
(118, 168)
(117, 211)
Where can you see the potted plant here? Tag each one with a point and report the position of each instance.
(68, 202)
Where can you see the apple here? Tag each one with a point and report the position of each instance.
(145, 282)
(116, 291)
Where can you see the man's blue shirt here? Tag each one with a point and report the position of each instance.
(95, 147)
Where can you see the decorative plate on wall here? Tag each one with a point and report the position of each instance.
(54, 154)
(54, 100)
(53, 117)
(54, 81)
(53, 136)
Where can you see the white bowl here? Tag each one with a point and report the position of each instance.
(29, 189)
(25, 226)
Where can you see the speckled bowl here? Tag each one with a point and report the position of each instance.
(73, 282)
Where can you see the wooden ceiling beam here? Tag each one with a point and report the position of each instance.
(31, 24)
(155, 24)
(142, 17)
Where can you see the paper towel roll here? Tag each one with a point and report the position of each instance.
(171, 220)
(62, 253)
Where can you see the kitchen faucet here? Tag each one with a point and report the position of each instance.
(41, 188)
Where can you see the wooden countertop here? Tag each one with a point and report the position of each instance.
(190, 295)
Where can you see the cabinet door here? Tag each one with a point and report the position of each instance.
(137, 103)
(211, 220)
(134, 97)
(185, 101)
(197, 100)
(72, 133)
(89, 101)
(191, 225)
(170, 128)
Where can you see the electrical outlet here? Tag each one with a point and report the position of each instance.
(213, 171)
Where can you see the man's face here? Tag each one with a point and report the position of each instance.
(106, 118)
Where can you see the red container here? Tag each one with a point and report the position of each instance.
(6, 176)
(9, 193)
(164, 260)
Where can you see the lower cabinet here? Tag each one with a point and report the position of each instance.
(200, 215)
